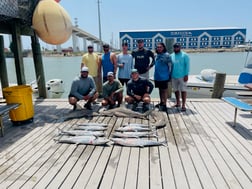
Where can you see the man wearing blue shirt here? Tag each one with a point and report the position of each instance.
(180, 72)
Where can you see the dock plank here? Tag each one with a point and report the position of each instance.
(203, 151)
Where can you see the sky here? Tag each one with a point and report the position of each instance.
(117, 15)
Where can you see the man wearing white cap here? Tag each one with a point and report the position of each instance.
(83, 88)
(112, 91)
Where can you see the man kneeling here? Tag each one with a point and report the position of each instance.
(138, 89)
(112, 91)
(83, 88)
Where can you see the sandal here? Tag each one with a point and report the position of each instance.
(176, 106)
(183, 109)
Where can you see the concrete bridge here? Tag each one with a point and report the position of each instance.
(79, 33)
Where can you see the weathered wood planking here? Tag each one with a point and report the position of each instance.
(203, 151)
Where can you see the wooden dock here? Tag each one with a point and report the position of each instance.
(203, 151)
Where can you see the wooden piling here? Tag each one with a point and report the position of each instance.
(218, 87)
(3, 69)
(39, 69)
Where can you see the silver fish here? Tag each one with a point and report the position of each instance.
(132, 128)
(124, 112)
(81, 133)
(135, 124)
(90, 128)
(93, 124)
(137, 142)
(133, 134)
(89, 140)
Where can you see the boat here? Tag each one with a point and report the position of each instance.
(201, 86)
(54, 87)
(245, 76)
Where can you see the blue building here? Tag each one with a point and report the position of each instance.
(196, 38)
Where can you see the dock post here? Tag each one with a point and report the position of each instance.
(3, 68)
(38, 63)
(218, 87)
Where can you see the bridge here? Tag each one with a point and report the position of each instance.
(80, 33)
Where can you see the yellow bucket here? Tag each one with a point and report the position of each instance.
(22, 95)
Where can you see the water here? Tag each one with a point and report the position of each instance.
(67, 68)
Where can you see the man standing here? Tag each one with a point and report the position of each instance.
(112, 92)
(90, 60)
(107, 62)
(83, 88)
(138, 89)
(125, 64)
(180, 72)
(142, 59)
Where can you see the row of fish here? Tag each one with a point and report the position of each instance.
(128, 135)
(132, 134)
(90, 133)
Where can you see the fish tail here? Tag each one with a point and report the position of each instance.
(164, 143)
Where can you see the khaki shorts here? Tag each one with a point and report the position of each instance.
(179, 84)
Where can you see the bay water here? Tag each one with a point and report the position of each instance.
(67, 68)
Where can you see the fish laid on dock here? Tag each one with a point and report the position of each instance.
(133, 128)
(133, 134)
(88, 140)
(137, 142)
(81, 133)
(93, 124)
(90, 128)
(124, 112)
(135, 124)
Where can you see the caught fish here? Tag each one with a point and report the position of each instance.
(159, 124)
(93, 124)
(133, 134)
(124, 112)
(135, 124)
(88, 140)
(81, 133)
(133, 128)
(90, 128)
(137, 142)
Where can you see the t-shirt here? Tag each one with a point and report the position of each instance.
(142, 59)
(180, 64)
(139, 87)
(162, 67)
(125, 71)
(91, 61)
(108, 88)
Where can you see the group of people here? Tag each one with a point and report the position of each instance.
(98, 76)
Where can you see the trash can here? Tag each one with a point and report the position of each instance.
(22, 95)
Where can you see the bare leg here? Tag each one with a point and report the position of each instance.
(177, 95)
(183, 94)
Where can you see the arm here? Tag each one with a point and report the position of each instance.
(74, 90)
(113, 60)
(82, 62)
(150, 86)
(120, 87)
(92, 87)
(99, 66)
(187, 65)
(130, 90)
(151, 54)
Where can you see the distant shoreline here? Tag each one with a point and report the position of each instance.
(205, 50)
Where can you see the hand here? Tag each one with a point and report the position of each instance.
(137, 97)
(186, 78)
(86, 97)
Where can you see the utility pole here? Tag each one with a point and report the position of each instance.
(99, 20)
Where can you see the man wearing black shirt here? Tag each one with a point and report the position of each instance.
(142, 59)
(138, 89)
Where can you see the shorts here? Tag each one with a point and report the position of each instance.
(161, 84)
(71, 95)
(179, 84)
(123, 81)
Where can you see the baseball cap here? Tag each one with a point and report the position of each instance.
(140, 41)
(110, 74)
(106, 45)
(134, 71)
(84, 69)
(176, 45)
